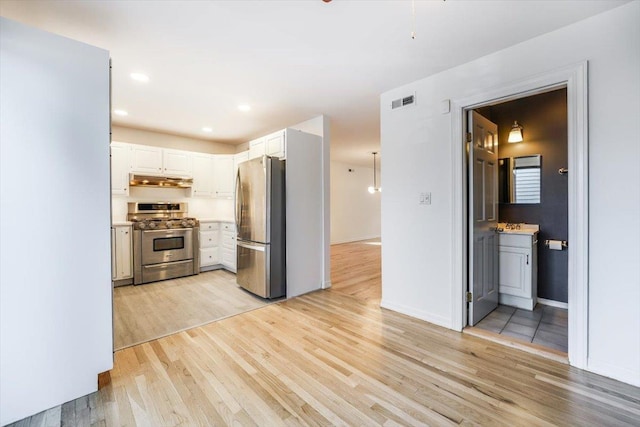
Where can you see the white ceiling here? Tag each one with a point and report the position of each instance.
(290, 60)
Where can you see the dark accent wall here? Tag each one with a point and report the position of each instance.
(544, 119)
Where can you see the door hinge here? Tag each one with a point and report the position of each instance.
(468, 136)
(469, 297)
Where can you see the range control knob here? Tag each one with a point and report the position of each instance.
(142, 226)
(169, 224)
(152, 225)
(191, 223)
(185, 223)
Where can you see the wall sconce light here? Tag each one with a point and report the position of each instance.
(375, 187)
(516, 133)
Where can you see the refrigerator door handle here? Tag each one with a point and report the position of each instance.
(253, 247)
(239, 202)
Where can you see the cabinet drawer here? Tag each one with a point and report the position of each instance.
(209, 256)
(209, 239)
(516, 240)
(209, 226)
(229, 259)
(229, 240)
(228, 226)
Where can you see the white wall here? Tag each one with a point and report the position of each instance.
(321, 125)
(55, 270)
(355, 213)
(417, 142)
(165, 140)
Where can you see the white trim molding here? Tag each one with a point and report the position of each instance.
(552, 303)
(574, 78)
(418, 314)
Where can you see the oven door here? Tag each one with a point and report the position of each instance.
(159, 246)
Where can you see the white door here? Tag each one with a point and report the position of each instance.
(483, 217)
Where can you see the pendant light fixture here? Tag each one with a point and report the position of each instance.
(516, 133)
(375, 187)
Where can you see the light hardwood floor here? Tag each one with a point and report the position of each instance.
(330, 358)
(150, 311)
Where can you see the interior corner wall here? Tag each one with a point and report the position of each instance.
(321, 126)
(355, 213)
(417, 272)
(55, 252)
(165, 140)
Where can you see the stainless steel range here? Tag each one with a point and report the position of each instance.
(165, 241)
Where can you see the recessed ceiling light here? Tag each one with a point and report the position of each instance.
(120, 113)
(244, 107)
(139, 77)
(206, 129)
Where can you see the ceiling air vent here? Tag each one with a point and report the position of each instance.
(403, 102)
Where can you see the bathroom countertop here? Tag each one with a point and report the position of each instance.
(527, 229)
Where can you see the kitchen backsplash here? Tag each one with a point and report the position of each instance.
(198, 207)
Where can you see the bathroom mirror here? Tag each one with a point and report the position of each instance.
(519, 179)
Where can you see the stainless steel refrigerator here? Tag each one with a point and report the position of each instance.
(260, 221)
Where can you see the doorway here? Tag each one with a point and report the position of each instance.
(574, 79)
(519, 279)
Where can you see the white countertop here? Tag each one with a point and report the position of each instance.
(529, 229)
(120, 223)
(216, 220)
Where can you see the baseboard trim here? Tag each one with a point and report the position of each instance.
(354, 239)
(418, 314)
(626, 375)
(552, 303)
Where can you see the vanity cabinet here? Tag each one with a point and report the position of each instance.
(121, 253)
(518, 270)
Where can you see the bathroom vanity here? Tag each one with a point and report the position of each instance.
(518, 248)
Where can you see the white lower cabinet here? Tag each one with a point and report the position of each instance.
(209, 244)
(217, 245)
(121, 255)
(518, 270)
(228, 245)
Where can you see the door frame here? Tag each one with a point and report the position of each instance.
(574, 79)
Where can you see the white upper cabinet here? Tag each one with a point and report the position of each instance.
(177, 162)
(146, 159)
(275, 144)
(120, 167)
(158, 161)
(237, 159)
(203, 175)
(257, 148)
(223, 175)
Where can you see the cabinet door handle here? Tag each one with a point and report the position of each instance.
(527, 259)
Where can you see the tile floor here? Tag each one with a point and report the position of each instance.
(545, 325)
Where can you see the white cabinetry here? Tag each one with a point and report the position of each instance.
(223, 182)
(209, 244)
(257, 148)
(228, 245)
(177, 162)
(146, 159)
(518, 270)
(237, 159)
(275, 144)
(203, 176)
(120, 167)
(158, 161)
(121, 258)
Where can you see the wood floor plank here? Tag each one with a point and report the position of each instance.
(336, 358)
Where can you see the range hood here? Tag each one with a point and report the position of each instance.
(137, 180)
